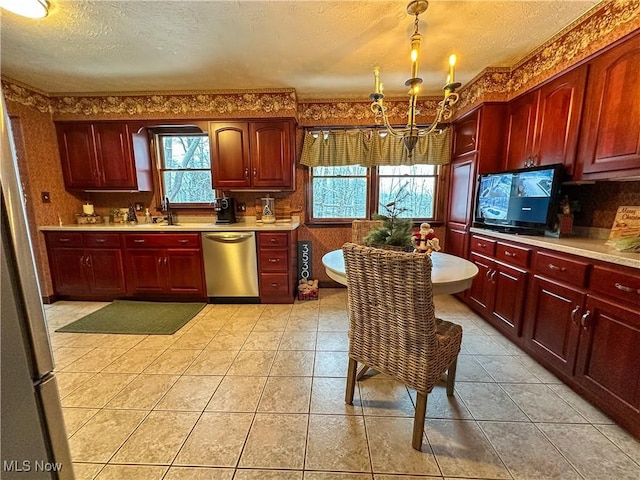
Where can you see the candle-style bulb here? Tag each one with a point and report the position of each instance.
(376, 76)
(452, 64)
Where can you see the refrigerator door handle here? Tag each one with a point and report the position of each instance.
(48, 399)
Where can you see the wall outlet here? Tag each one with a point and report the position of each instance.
(46, 197)
(241, 207)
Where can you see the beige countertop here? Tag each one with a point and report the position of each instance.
(594, 248)
(244, 224)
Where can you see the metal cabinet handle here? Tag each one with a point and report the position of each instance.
(482, 245)
(275, 284)
(88, 261)
(555, 267)
(137, 240)
(273, 240)
(507, 253)
(82, 261)
(246, 173)
(574, 314)
(583, 320)
(63, 240)
(274, 260)
(624, 288)
(183, 240)
(160, 261)
(255, 173)
(493, 276)
(166, 261)
(100, 240)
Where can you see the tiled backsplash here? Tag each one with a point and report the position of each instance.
(599, 202)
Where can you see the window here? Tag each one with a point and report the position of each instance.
(345, 193)
(420, 185)
(185, 169)
(339, 192)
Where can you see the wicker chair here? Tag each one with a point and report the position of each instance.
(392, 324)
(361, 228)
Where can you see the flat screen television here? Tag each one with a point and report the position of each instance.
(519, 201)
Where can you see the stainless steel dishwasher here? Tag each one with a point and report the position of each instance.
(230, 265)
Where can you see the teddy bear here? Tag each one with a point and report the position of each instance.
(425, 240)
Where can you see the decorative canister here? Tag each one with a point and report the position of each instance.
(268, 210)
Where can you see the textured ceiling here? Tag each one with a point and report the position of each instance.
(323, 49)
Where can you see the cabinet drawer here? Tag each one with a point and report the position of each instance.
(64, 239)
(273, 240)
(622, 284)
(513, 255)
(162, 240)
(483, 245)
(102, 240)
(560, 268)
(274, 284)
(273, 260)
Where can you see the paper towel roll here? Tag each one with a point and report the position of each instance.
(87, 209)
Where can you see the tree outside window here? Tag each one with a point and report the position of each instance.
(351, 192)
(185, 169)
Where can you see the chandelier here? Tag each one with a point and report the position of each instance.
(410, 133)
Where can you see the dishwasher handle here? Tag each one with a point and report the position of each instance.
(227, 237)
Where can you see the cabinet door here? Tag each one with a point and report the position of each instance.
(465, 135)
(146, 272)
(183, 269)
(553, 322)
(559, 111)
(509, 285)
(230, 154)
(78, 156)
(115, 161)
(105, 272)
(610, 136)
(69, 271)
(608, 355)
(460, 205)
(521, 123)
(271, 156)
(482, 290)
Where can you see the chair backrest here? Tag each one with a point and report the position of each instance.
(392, 324)
(361, 228)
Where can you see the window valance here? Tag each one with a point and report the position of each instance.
(372, 148)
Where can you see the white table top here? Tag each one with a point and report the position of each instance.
(450, 274)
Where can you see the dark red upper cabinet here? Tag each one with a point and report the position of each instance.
(521, 125)
(558, 119)
(101, 156)
(230, 154)
(544, 124)
(610, 135)
(247, 155)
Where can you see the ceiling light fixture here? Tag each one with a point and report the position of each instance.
(410, 133)
(27, 8)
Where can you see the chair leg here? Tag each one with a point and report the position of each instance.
(418, 421)
(451, 376)
(351, 381)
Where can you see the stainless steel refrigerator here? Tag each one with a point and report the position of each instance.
(33, 436)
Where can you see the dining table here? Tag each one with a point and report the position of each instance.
(449, 274)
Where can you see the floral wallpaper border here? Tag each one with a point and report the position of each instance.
(603, 25)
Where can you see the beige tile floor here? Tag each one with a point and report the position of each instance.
(256, 392)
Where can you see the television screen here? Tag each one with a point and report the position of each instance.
(518, 200)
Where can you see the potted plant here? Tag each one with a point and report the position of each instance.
(395, 232)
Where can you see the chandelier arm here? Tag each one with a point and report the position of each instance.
(436, 121)
(383, 113)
